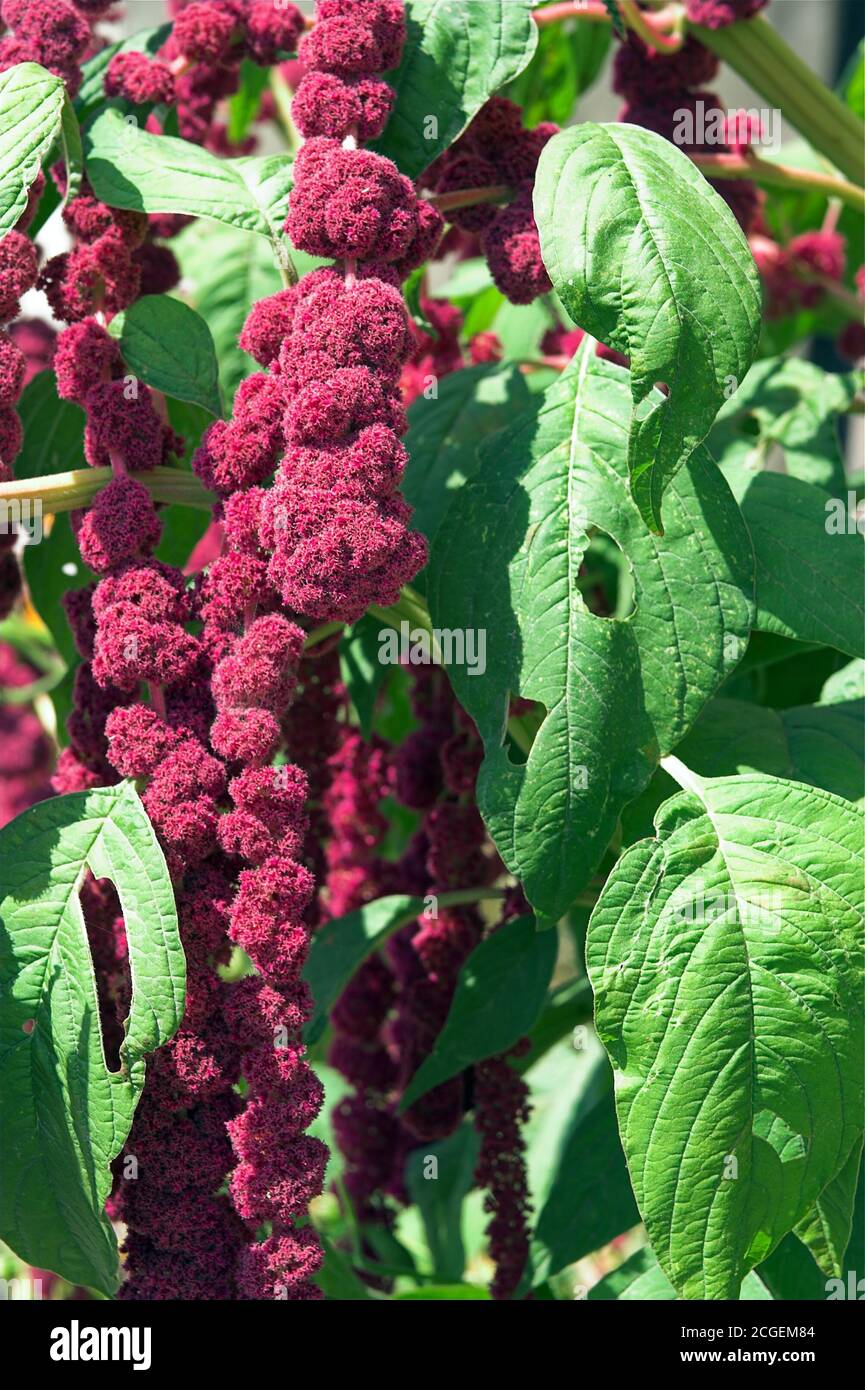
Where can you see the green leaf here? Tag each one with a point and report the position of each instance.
(852, 83)
(438, 1188)
(341, 945)
(656, 266)
(618, 693)
(725, 960)
(91, 93)
(129, 168)
(71, 149)
(182, 529)
(170, 348)
(612, 8)
(578, 1178)
(567, 1008)
(568, 59)
(825, 1230)
(818, 744)
(53, 430)
(243, 105)
(499, 993)
(445, 433)
(32, 104)
(444, 1293)
(362, 672)
(846, 684)
(63, 1115)
(810, 566)
(641, 1278)
(336, 1278)
(228, 271)
(455, 58)
(790, 405)
(790, 1273)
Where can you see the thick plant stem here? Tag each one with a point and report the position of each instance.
(759, 55)
(467, 197)
(763, 171)
(67, 492)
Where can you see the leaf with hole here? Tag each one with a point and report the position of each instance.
(618, 694)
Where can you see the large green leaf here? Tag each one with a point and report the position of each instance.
(63, 1115)
(618, 693)
(34, 112)
(129, 168)
(648, 258)
(577, 1174)
(456, 56)
(499, 993)
(446, 431)
(791, 405)
(169, 347)
(437, 1190)
(725, 958)
(809, 571)
(53, 430)
(228, 271)
(641, 1279)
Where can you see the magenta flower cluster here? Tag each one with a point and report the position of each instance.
(54, 33)
(201, 62)
(333, 529)
(496, 149)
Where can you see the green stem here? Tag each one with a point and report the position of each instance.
(321, 634)
(648, 29)
(764, 171)
(769, 65)
(67, 492)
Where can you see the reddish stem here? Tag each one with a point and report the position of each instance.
(467, 197)
(572, 9)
